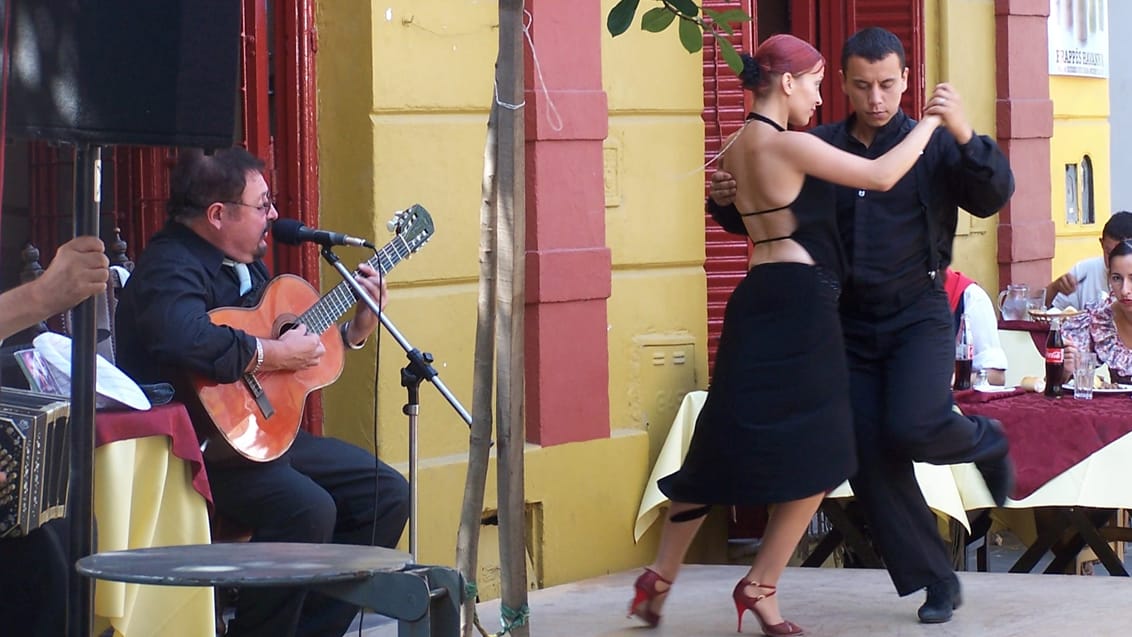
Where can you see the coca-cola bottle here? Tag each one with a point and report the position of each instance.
(964, 354)
(1055, 359)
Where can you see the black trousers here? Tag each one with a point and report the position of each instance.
(322, 490)
(900, 368)
(33, 585)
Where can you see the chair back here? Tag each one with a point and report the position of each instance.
(1022, 355)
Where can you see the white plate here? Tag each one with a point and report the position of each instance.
(110, 382)
(994, 389)
(1119, 389)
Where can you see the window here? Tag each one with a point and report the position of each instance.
(1072, 194)
(1080, 198)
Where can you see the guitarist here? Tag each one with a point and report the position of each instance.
(322, 489)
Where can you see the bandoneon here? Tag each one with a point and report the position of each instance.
(35, 456)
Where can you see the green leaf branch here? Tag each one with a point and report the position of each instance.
(692, 25)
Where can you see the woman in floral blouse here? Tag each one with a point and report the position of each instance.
(1106, 327)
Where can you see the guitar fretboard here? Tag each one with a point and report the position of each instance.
(338, 301)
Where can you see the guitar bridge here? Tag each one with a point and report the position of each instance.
(260, 396)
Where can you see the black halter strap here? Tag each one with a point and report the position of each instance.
(764, 119)
(771, 240)
(763, 212)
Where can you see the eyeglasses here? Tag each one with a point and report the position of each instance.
(263, 208)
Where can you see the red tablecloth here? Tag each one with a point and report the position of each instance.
(1048, 436)
(165, 420)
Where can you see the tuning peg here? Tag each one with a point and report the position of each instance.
(392, 224)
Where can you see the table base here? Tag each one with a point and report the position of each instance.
(1087, 527)
(1073, 529)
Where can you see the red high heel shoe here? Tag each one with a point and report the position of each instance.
(745, 602)
(646, 592)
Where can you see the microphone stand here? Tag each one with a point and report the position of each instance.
(419, 368)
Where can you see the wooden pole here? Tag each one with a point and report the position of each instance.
(510, 299)
(479, 445)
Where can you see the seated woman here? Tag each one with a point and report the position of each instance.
(1106, 328)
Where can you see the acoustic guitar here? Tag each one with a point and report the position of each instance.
(259, 416)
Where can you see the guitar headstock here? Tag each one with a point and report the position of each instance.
(413, 226)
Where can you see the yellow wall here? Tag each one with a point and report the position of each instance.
(1080, 127)
(959, 47)
(403, 104)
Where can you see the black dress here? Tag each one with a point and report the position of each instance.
(776, 425)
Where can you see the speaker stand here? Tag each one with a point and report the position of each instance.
(80, 599)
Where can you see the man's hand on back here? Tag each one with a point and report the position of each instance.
(723, 188)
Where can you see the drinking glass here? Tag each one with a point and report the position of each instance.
(1083, 377)
(1036, 301)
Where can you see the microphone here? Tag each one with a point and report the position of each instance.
(293, 232)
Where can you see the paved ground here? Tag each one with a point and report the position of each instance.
(834, 602)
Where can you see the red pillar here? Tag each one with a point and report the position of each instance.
(568, 264)
(1024, 118)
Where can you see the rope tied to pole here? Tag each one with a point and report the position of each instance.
(512, 618)
(509, 618)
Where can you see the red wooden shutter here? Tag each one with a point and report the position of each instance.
(905, 19)
(724, 112)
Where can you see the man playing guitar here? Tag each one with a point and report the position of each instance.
(321, 489)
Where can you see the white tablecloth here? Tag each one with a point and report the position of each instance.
(1101, 480)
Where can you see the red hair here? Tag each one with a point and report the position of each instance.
(778, 54)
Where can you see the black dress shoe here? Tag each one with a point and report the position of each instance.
(999, 477)
(998, 474)
(943, 597)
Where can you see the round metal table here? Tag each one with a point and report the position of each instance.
(424, 599)
(240, 564)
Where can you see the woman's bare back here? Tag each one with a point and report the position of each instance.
(766, 190)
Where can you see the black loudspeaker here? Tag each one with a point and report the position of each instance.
(154, 72)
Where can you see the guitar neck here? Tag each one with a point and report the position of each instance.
(339, 300)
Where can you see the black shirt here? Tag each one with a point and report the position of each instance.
(893, 240)
(162, 326)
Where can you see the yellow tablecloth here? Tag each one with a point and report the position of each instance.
(144, 497)
(1099, 480)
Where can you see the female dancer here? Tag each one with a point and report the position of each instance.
(775, 427)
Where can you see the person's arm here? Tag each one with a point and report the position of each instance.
(358, 329)
(170, 308)
(989, 354)
(78, 271)
(1067, 290)
(1063, 286)
(815, 157)
(172, 297)
(980, 175)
